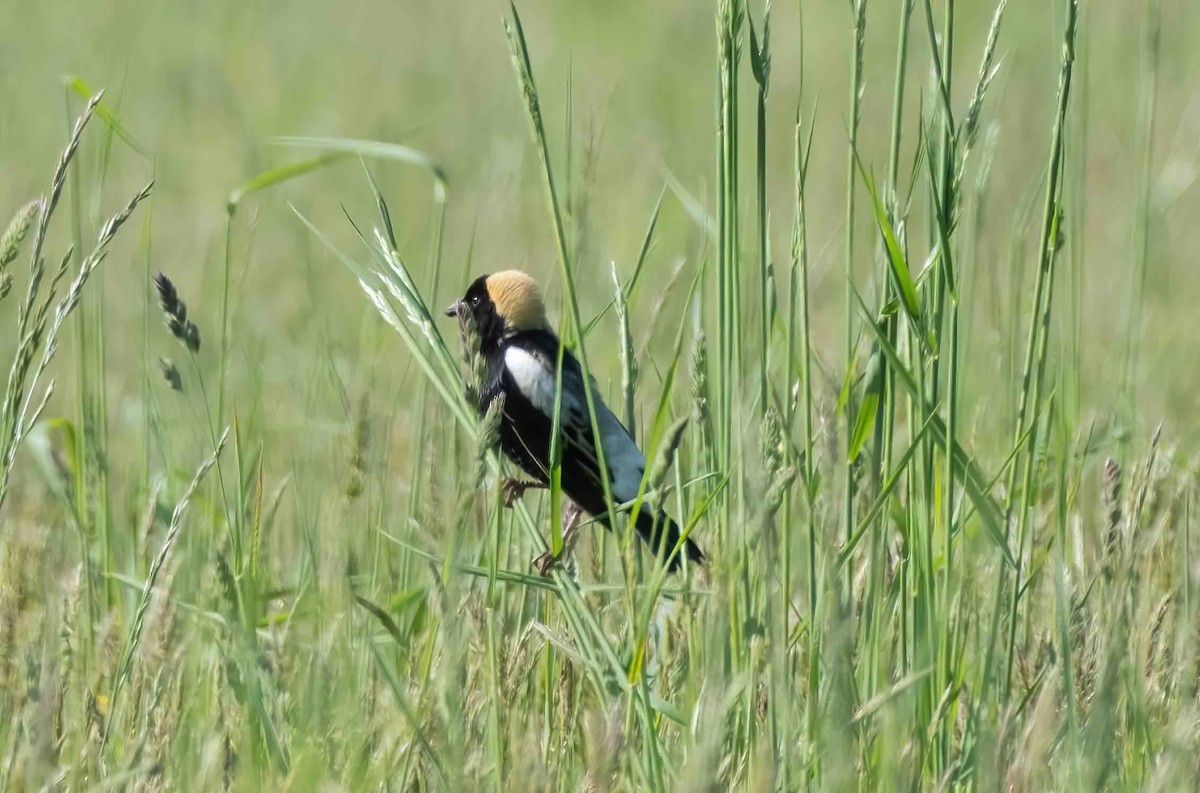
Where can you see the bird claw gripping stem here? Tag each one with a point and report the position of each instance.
(515, 488)
(570, 521)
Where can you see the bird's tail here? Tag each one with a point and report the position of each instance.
(662, 535)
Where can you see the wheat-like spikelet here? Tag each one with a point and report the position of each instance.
(629, 364)
(175, 314)
(27, 347)
(771, 437)
(1111, 498)
(46, 206)
(667, 451)
(18, 229)
(170, 373)
(472, 358)
(489, 436)
(67, 648)
(987, 71)
(698, 365)
(10, 243)
(9, 611)
(358, 452)
(404, 289)
(773, 498)
(19, 412)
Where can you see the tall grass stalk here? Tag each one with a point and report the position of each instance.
(800, 317)
(1077, 213)
(1147, 122)
(885, 419)
(1032, 378)
(730, 16)
(858, 50)
(760, 61)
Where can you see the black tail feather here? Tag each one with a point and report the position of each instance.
(662, 535)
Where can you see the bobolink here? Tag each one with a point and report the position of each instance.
(521, 352)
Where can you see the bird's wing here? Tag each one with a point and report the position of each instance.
(533, 373)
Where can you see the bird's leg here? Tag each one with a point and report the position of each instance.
(515, 488)
(570, 523)
(571, 515)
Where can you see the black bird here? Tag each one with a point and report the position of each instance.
(521, 352)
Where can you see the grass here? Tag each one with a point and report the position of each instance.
(252, 531)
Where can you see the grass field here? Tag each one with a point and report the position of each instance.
(897, 295)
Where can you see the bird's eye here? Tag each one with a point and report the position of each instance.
(475, 300)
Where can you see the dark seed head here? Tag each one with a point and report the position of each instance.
(192, 337)
(170, 373)
(168, 298)
(175, 313)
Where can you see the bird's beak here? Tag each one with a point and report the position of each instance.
(454, 308)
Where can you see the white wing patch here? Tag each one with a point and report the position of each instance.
(536, 381)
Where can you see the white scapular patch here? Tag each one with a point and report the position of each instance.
(532, 378)
(536, 381)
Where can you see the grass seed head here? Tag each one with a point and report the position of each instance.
(358, 451)
(773, 499)
(772, 441)
(699, 371)
(175, 314)
(10, 243)
(1111, 497)
(489, 435)
(170, 373)
(18, 229)
(666, 452)
(471, 355)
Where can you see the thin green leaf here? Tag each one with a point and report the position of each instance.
(279, 175)
(106, 113)
(901, 275)
(869, 407)
(384, 618)
(371, 148)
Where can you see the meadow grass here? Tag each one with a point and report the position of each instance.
(948, 541)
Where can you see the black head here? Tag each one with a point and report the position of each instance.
(501, 304)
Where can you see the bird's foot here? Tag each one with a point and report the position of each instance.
(515, 488)
(570, 522)
(545, 562)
